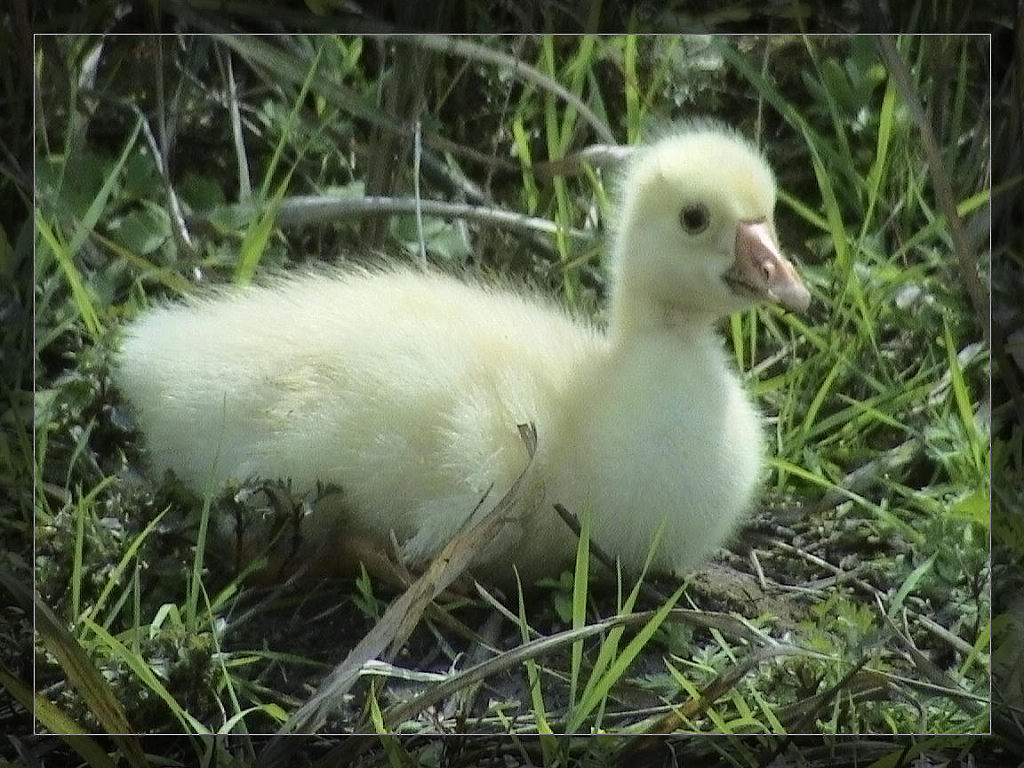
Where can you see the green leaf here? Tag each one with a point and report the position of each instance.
(975, 507)
(201, 193)
(910, 583)
(143, 230)
(141, 180)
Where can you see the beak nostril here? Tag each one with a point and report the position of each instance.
(761, 272)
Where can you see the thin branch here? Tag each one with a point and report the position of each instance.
(940, 179)
(476, 52)
(947, 204)
(417, 153)
(302, 210)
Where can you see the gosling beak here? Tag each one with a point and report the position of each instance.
(762, 272)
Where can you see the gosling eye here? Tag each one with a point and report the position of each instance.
(695, 218)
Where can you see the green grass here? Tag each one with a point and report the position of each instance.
(875, 613)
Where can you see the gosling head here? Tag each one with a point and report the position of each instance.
(696, 237)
